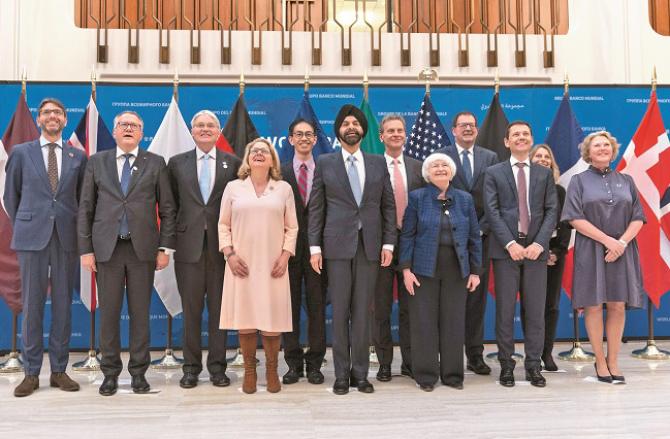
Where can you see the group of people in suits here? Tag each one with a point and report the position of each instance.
(252, 237)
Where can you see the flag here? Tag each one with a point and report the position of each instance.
(91, 135)
(238, 131)
(564, 137)
(427, 133)
(173, 137)
(323, 145)
(493, 128)
(371, 143)
(21, 129)
(647, 160)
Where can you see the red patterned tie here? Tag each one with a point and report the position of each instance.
(524, 215)
(302, 182)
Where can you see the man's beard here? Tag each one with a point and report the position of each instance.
(352, 138)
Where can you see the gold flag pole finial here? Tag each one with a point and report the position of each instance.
(496, 83)
(365, 85)
(24, 80)
(566, 83)
(175, 85)
(94, 78)
(242, 83)
(428, 75)
(306, 80)
(653, 80)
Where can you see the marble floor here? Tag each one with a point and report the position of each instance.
(572, 405)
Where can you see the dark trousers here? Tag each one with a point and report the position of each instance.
(197, 282)
(299, 271)
(476, 308)
(351, 283)
(124, 271)
(529, 278)
(55, 266)
(437, 322)
(381, 329)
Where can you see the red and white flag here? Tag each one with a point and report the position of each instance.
(647, 160)
(173, 137)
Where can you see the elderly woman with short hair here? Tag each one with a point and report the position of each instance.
(441, 254)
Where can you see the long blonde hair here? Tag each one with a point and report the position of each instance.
(554, 166)
(245, 168)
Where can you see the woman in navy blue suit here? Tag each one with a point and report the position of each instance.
(440, 253)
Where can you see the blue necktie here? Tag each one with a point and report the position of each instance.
(354, 181)
(467, 168)
(205, 178)
(125, 182)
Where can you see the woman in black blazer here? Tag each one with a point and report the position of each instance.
(440, 254)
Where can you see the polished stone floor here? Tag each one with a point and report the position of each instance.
(573, 405)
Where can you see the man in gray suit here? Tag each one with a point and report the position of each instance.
(521, 208)
(119, 237)
(198, 178)
(471, 163)
(352, 224)
(405, 174)
(44, 179)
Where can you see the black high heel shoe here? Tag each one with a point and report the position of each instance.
(602, 379)
(620, 379)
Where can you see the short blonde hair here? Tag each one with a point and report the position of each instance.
(585, 146)
(245, 168)
(554, 165)
(435, 157)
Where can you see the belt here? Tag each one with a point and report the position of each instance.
(125, 237)
(522, 235)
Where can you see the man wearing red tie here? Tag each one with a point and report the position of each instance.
(405, 173)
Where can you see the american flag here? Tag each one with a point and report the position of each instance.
(427, 134)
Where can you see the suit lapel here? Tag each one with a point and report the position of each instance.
(191, 170)
(533, 184)
(38, 161)
(341, 173)
(136, 171)
(479, 164)
(112, 170)
(66, 165)
(453, 153)
(368, 174)
(223, 168)
(507, 169)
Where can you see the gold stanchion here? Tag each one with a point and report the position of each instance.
(13, 363)
(651, 351)
(577, 354)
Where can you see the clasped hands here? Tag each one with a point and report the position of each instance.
(518, 252)
(614, 248)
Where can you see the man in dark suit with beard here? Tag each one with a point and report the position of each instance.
(198, 178)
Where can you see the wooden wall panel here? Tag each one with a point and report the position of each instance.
(659, 16)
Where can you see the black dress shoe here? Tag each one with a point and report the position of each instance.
(109, 386)
(384, 373)
(220, 379)
(406, 371)
(341, 386)
(507, 377)
(292, 376)
(188, 381)
(477, 365)
(314, 376)
(549, 364)
(535, 377)
(427, 387)
(601, 378)
(454, 385)
(364, 386)
(139, 384)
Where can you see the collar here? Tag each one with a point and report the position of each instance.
(44, 141)
(297, 162)
(513, 161)
(435, 191)
(358, 154)
(389, 159)
(199, 153)
(460, 150)
(605, 171)
(120, 152)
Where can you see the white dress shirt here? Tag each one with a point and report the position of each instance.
(59, 153)
(515, 169)
(211, 161)
(471, 156)
(401, 166)
(121, 160)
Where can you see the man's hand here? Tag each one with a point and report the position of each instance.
(316, 261)
(516, 251)
(533, 251)
(473, 282)
(162, 260)
(88, 262)
(551, 260)
(387, 257)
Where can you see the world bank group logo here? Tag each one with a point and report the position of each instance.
(582, 98)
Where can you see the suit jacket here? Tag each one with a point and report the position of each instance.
(414, 177)
(102, 204)
(559, 244)
(483, 159)
(32, 208)
(334, 216)
(502, 207)
(302, 212)
(420, 237)
(192, 212)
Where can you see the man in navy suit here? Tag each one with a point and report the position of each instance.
(44, 179)
(521, 209)
(471, 162)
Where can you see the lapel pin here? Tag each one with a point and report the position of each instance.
(70, 155)
(225, 165)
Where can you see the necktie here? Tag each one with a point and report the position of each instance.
(52, 167)
(524, 215)
(399, 193)
(354, 181)
(467, 167)
(125, 182)
(205, 178)
(302, 182)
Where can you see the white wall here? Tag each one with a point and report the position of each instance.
(609, 42)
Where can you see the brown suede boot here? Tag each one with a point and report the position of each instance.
(271, 347)
(29, 384)
(248, 346)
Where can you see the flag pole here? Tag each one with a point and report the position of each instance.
(366, 83)
(306, 84)
(496, 83)
(373, 358)
(92, 361)
(169, 359)
(651, 351)
(14, 363)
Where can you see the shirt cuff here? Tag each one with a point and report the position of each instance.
(388, 247)
(507, 246)
(314, 250)
(535, 243)
(168, 251)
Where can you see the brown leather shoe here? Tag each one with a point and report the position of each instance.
(63, 382)
(248, 347)
(29, 384)
(271, 347)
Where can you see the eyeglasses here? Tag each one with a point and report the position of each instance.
(55, 112)
(466, 125)
(125, 125)
(299, 135)
(202, 126)
(263, 151)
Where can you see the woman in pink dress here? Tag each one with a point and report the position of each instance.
(257, 235)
